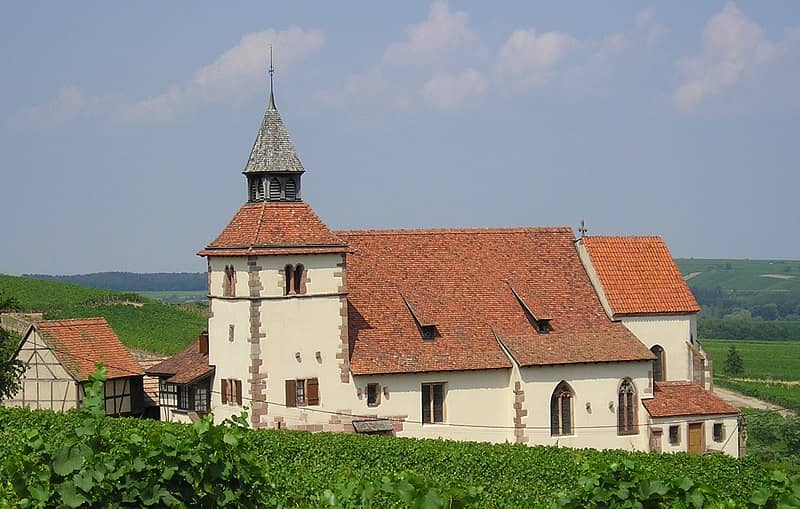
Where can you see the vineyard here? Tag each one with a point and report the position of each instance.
(138, 321)
(77, 459)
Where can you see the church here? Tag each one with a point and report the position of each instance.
(521, 335)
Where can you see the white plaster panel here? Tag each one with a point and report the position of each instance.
(595, 385)
(672, 332)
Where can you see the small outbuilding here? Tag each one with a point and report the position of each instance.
(61, 354)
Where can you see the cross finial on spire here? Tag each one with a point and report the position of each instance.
(271, 73)
(582, 230)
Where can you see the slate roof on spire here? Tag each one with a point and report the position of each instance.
(273, 150)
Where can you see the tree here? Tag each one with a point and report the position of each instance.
(733, 363)
(8, 302)
(11, 368)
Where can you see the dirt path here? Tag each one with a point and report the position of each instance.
(742, 401)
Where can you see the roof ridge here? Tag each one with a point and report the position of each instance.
(465, 230)
(258, 226)
(628, 237)
(60, 320)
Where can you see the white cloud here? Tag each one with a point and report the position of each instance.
(237, 73)
(734, 48)
(426, 66)
(449, 91)
(529, 60)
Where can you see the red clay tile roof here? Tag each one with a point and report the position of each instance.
(187, 367)
(460, 281)
(275, 228)
(675, 399)
(81, 343)
(639, 276)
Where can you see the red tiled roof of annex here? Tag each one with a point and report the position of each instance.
(639, 276)
(275, 228)
(187, 367)
(675, 399)
(461, 281)
(81, 343)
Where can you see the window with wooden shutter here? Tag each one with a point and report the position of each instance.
(291, 393)
(433, 403)
(238, 395)
(225, 391)
(312, 391)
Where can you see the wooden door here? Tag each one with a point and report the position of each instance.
(696, 438)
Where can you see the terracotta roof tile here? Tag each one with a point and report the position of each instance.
(186, 367)
(639, 276)
(275, 228)
(675, 399)
(461, 281)
(81, 343)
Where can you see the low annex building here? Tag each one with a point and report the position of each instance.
(61, 354)
(523, 335)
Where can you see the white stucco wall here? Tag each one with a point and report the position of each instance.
(728, 445)
(594, 406)
(673, 333)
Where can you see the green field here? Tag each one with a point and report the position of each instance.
(758, 275)
(138, 321)
(776, 360)
(176, 296)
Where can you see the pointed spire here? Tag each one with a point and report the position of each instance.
(273, 150)
(271, 73)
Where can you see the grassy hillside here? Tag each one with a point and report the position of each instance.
(747, 275)
(776, 360)
(138, 321)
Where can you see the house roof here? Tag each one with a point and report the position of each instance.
(273, 150)
(275, 228)
(639, 276)
(675, 399)
(186, 367)
(81, 343)
(461, 281)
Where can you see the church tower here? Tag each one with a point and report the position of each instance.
(277, 295)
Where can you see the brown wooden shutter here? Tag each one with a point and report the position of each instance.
(225, 391)
(238, 391)
(291, 393)
(312, 391)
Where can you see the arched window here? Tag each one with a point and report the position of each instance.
(626, 408)
(288, 274)
(274, 189)
(253, 189)
(659, 364)
(561, 410)
(299, 279)
(229, 282)
(290, 190)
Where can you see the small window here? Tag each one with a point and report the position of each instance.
(626, 409)
(231, 330)
(288, 280)
(543, 326)
(229, 282)
(674, 435)
(168, 394)
(561, 410)
(201, 397)
(299, 279)
(719, 432)
(231, 391)
(183, 397)
(433, 403)
(429, 332)
(302, 392)
(373, 394)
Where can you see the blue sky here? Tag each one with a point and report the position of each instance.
(124, 128)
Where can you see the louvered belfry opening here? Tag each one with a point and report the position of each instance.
(274, 189)
(290, 190)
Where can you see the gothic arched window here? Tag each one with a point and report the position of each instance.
(299, 279)
(626, 408)
(274, 189)
(229, 282)
(659, 364)
(561, 410)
